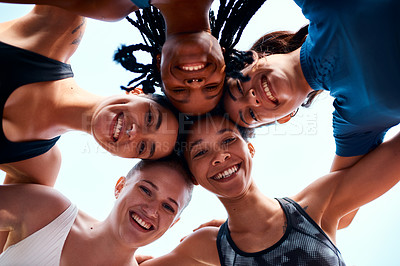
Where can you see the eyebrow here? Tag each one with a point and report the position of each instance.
(156, 188)
(224, 130)
(242, 118)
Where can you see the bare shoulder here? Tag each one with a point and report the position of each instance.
(26, 208)
(31, 200)
(199, 248)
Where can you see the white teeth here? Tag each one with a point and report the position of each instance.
(268, 92)
(140, 221)
(226, 173)
(117, 127)
(193, 68)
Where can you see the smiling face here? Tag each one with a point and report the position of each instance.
(218, 157)
(274, 90)
(148, 203)
(133, 126)
(193, 72)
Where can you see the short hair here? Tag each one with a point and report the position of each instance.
(172, 161)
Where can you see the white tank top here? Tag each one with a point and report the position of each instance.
(44, 246)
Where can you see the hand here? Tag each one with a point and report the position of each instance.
(215, 223)
(142, 258)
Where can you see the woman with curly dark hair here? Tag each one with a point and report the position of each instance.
(189, 68)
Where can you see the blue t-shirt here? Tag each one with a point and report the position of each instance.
(353, 51)
(141, 3)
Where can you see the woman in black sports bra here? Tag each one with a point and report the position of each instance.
(40, 101)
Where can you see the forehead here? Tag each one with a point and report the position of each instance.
(196, 103)
(169, 181)
(210, 126)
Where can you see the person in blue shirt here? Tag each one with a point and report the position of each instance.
(352, 50)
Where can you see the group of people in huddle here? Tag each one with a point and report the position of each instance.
(189, 117)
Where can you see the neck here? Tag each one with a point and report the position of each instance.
(298, 71)
(193, 15)
(108, 249)
(73, 111)
(250, 211)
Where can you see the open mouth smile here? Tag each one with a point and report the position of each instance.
(118, 123)
(267, 91)
(227, 174)
(192, 67)
(139, 221)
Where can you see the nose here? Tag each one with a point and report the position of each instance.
(220, 158)
(194, 82)
(133, 131)
(252, 99)
(150, 210)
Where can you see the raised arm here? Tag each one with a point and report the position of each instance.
(344, 191)
(340, 163)
(107, 10)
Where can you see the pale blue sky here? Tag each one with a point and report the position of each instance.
(288, 157)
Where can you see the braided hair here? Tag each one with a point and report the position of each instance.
(151, 26)
(225, 27)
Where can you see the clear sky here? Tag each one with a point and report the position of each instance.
(288, 157)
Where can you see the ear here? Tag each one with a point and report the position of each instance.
(223, 50)
(288, 117)
(175, 222)
(251, 149)
(194, 181)
(284, 119)
(118, 187)
(135, 91)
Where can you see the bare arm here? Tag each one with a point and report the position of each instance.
(33, 170)
(344, 191)
(107, 10)
(199, 248)
(340, 163)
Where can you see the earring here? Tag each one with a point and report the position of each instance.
(158, 60)
(292, 114)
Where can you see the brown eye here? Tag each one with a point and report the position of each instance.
(239, 87)
(149, 118)
(211, 88)
(178, 91)
(253, 115)
(142, 147)
(228, 140)
(200, 153)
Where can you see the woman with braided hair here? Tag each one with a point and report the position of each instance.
(189, 53)
(183, 41)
